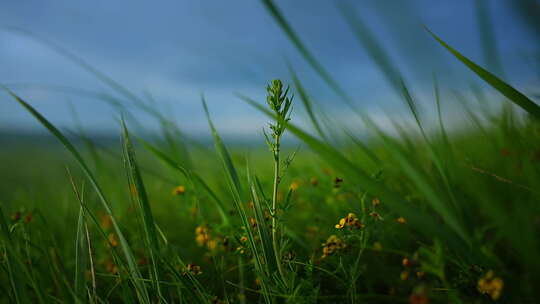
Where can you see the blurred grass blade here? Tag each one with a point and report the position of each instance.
(190, 175)
(262, 229)
(81, 259)
(307, 102)
(308, 56)
(225, 157)
(373, 47)
(141, 197)
(514, 95)
(487, 36)
(16, 270)
(236, 191)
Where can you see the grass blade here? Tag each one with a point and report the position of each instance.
(304, 51)
(512, 94)
(141, 197)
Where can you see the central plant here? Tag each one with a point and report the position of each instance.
(280, 104)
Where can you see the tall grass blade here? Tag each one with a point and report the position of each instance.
(307, 102)
(304, 51)
(373, 47)
(514, 95)
(141, 197)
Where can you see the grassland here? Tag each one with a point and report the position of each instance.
(427, 214)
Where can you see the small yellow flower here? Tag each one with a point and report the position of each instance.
(401, 220)
(111, 267)
(193, 269)
(241, 249)
(202, 235)
(332, 245)
(406, 262)
(253, 222)
(350, 221)
(294, 186)
(491, 285)
(376, 216)
(243, 239)
(180, 190)
(106, 221)
(375, 202)
(113, 240)
(212, 244)
(404, 275)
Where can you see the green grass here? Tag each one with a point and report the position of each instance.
(469, 198)
(448, 215)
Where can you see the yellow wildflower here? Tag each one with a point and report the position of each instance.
(294, 186)
(350, 221)
(401, 220)
(113, 241)
(404, 275)
(111, 267)
(212, 244)
(332, 245)
(193, 269)
(241, 249)
(202, 235)
(180, 190)
(491, 285)
(106, 221)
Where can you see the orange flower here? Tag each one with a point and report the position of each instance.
(418, 299)
(28, 218)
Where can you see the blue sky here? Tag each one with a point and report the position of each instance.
(177, 49)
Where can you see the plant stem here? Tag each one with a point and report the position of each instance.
(275, 241)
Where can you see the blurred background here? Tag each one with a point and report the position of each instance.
(171, 52)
